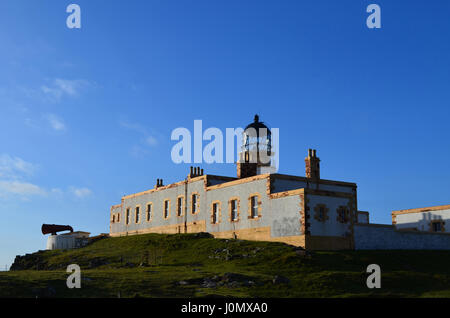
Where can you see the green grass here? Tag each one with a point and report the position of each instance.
(111, 266)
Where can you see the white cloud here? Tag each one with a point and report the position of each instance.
(56, 191)
(14, 167)
(151, 141)
(133, 126)
(148, 138)
(12, 172)
(81, 192)
(63, 87)
(23, 189)
(55, 122)
(13, 184)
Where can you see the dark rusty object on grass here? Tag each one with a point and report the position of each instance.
(53, 228)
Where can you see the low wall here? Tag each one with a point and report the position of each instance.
(386, 237)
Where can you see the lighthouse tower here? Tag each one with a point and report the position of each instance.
(256, 150)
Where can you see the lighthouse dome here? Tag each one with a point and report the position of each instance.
(257, 136)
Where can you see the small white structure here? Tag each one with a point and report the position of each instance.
(68, 240)
(431, 219)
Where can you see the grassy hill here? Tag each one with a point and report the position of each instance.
(196, 265)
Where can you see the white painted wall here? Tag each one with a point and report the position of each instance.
(421, 220)
(330, 227)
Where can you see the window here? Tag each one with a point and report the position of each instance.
(149, 212)
(128, 216)
(114, 219)
(180, 205)
(343, 214)
(254, 207)
(166, 209)
(437, 226)
(215, 213)
(321, 214)
(118, 217)
(194, 203)
(137, 214)
(234, 210)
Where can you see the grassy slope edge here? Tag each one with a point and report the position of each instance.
(192, 265)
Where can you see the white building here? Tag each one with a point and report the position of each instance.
(431, 219)
(67, 240)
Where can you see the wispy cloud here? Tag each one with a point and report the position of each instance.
(80, 192)
(15, 167)
(56, 123)
(13, 171)
(133, 126)
(151, 141)
(148, 138)
(59, 88)
(23, 189)
(14, 182)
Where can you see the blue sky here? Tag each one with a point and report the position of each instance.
(86, 115)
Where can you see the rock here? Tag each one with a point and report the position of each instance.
(203, 235)
(97, 262)
(129, 265)
(233, 284)
(182, 282)
(230, 277)
(302, 252)
(207, 283)
(280, 280)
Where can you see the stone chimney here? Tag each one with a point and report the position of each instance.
(195, 172)
(312, 165)
(159, 183)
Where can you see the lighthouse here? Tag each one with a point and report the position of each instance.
(256, 152)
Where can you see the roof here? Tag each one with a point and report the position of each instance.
(76, 232)
(230, 181)
(257, 125)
